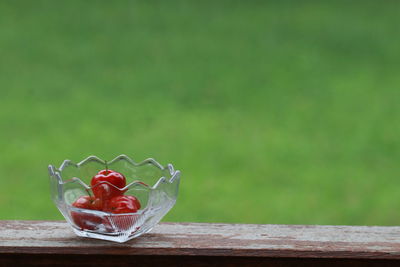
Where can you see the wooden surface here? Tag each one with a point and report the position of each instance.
(200, 244)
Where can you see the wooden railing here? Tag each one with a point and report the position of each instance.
(52, 243)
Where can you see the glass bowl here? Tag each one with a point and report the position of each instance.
(154, 185)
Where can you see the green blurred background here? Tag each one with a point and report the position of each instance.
(274, 111)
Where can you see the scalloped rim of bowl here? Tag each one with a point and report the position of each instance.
(56, 172)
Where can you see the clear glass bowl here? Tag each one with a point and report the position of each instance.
(154, 185)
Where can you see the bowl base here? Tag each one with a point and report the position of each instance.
(115, 237)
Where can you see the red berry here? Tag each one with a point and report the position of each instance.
(82, 202)
(108, 184)
(123, 204)
(88, 202)
(85, 220)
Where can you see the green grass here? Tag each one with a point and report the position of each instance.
(274, 111)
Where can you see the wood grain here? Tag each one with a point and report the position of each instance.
(208, 242)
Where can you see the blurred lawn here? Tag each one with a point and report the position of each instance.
(274, 111)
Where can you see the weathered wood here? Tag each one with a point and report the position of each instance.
(45, 243)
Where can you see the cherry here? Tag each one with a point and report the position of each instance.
(123, 204)
(122, 207)
(85, 220)
(88, 202)
(107, 184)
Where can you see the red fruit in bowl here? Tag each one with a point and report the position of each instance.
(88, 202)
(123, 204)
(86, 220)
(107, 184)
